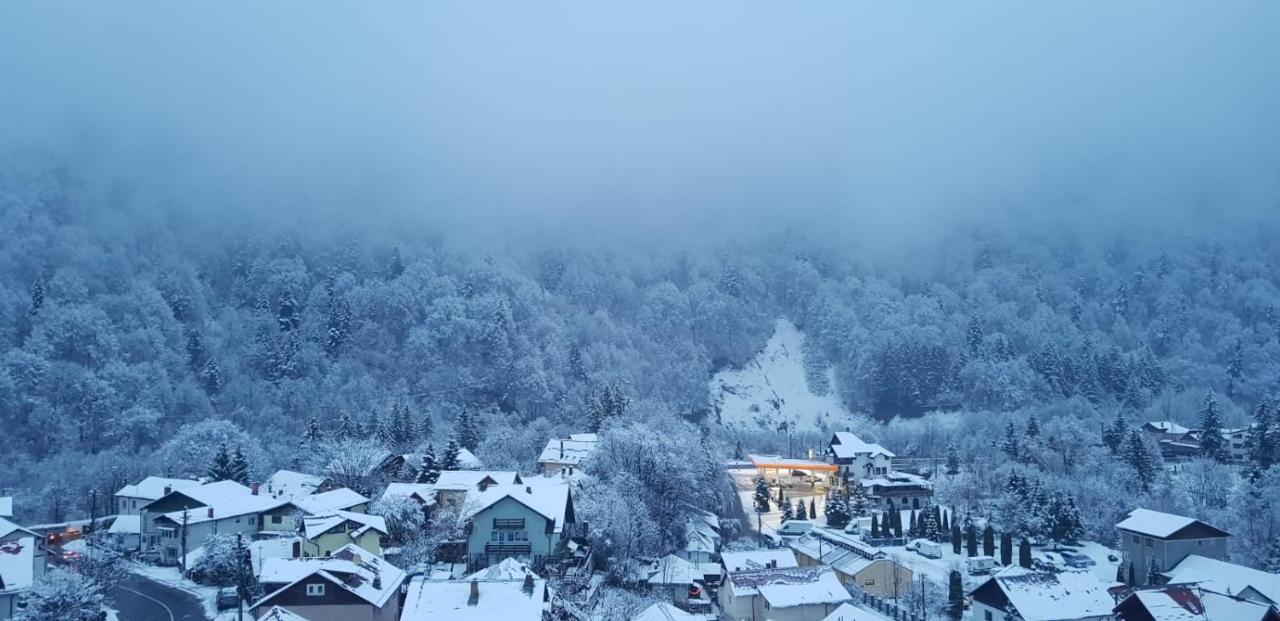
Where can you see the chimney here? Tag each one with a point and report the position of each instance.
(528, 585)
(475, 594)
(377, 583)
(528, 490)
(168, 489)
(210, 511)
(253, 487)
(562, 449)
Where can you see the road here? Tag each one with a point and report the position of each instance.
(140, 599)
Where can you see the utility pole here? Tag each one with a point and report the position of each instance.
(182, 562)
(240, 588)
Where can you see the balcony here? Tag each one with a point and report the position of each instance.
(507, 548)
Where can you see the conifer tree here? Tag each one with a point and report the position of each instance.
(955, 536)
(1271, 560)
(1136, 454)
(955, 596)
(220, 468)
(813, 509)
(1009, 443)
(835, 508)
(875, 525)
(429, 472)
(425, 427)
(946, 522)
(450, 459)
(953, 459)
(761, 497)
(801, 512)
(927, 524)
(1114, 435)
(988, 541)
(1033, 427)
(467, 430)
(788, 511)
(897, 524)
(1024, 553)
(971, 539)
(1006, 548)
(238, 467)
(857, 503)
(346, 428)
(913, 529)
(1262, 438)
(312, 434)
(1211, 428)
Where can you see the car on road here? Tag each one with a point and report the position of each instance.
(228, 598)
(1076, 560)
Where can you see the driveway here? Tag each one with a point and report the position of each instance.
(140, 599)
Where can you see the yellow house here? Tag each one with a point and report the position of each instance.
(326, 534)
(855, 562)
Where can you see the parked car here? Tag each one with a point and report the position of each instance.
(925, 548)
(228, 598)
(980, 565)
(1077, 561)
(794, 528)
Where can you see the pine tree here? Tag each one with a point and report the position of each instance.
(468, 430)
(287, 315)
(857, 504)
(988, 541)
(956, 543)
(1006, 548)
(1024, 553)
(220, 469)
(913, 529)
(1136, 454)
(406, 431)
(1009, 444)
(801, 512)
(971, 540)
(955, 596)
(928, 526)
(953, 459)
(946, 522)
(761, 497)
(1235, 367)
(238, 467)
(875, 525)
(1033, 427)
(450, 460)
(973, 337)
(1262, 440)
(346, 428)
(897, 524)
(385, 430)
(788, 511)
(836, 509)
(1271, 561)
(312, 434)
(813, 509)
(1114, 435)
(1211, 428)
(211, 377)
(429, 472)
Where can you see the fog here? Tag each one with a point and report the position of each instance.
(853, 120)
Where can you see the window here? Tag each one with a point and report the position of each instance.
(1135, 539)
(1148, 542)
(276, 519)
(253, 519)
(315, 590)
(986, 615)
(870, 582)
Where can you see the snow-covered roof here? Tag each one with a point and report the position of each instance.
(846, 445)
(430, 600)
(1043, 596)
(226, 499)
(1167, 426)
(895, 479)
(672, 569)
(551, 500)
(288, 484)
(585, 437)
(126, 525)
(778, 461)
(791, 586)
(1188, 604)
(666, 612)
(6, 507)
(749, 560)
(7, 528)
(571, 452)
(1224, 577)
(332, 500)
(465, 480)
(17, 563)
(1157, 524)
(277, 613)
(837, 550)
(315, 526)
(467, 459)
(508, 569)
(349, 567)
(153, 488)
(422, 492)
(849, 612)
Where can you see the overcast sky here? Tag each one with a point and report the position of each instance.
(858, 119)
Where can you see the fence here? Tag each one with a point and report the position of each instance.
(887, 607)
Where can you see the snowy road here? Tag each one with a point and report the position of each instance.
(140, 599)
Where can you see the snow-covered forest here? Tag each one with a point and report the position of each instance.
(127, 345)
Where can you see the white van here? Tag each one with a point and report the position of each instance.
(980, 565)
(926, 548)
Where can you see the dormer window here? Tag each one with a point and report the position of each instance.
(315, 590)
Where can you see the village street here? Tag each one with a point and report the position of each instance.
(744, 482)
(138, 598)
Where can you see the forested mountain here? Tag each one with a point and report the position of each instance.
(117, 331)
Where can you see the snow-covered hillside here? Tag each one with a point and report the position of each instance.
(771, 389)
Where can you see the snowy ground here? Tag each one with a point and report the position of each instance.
(745, 482)
(771, 389)
(207, 595)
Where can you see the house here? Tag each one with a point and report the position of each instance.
(277, 613)
(475, 600)
(422, 493)
(1236, 444)
(702, 538)
(182, 519)
(1184, 603)
(285, 515)
(126, 530)
(849, 612)
(1152, 542)
(857, 459)
(898, 490)
(667, 612)
(349, 585)
(290, 484)
(1164, 430)
(674, 576)
(517, 521)
(1042, 596)
(855, 563)
(564, 457)
(22, 562)
(325, 534)
(781, 594)
(1228, 578)
(453, 485)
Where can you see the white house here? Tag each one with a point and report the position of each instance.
(1042, 596)
(564, 457)
(182, 519)
(781, 594)
(702, 538)
(475, 600)
(126, 530)
(857, 459)
(290, 484)
(1223, 577)
(22, 562)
